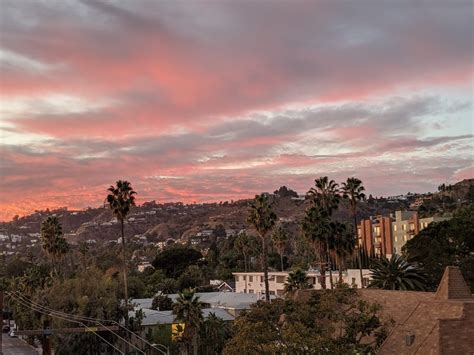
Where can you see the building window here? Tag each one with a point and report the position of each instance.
(272, 293)
(404, 227)
(394, 227)
(261, 279)
(405, 238)
(250, 278)
(250, 291)
(412, 226)
(236, 278)
(396, 239)
(353, 281)
(244, 278)
(280, 279)
(395, 250)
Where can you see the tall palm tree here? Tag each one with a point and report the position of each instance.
(353, 190)
(280, 240)
(83, 250)
(215, 333)
(325, 195)
(396, 274)
(121, 198)
(188, 309)
(343, 246)
(317, 229)
(262, 218)
(52, 240)
(244, 244)
(297, 280)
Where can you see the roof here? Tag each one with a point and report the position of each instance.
(231, 300)
(152, 317)
(452, 285)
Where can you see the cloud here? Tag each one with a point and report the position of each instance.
(232, 98)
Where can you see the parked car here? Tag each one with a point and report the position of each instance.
(12, 333)
(5, 328)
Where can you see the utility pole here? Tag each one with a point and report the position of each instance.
(46, 338)
(1, 321)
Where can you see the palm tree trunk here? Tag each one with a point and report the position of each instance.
(281, 260)
(339, 266)
(265, 268)
(328, 257)
(245, 261)
(322, 268)
(125, 285)
(354, 214)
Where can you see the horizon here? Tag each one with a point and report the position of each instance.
(217, 101)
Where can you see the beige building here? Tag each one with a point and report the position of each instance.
(406, 225)
(253, 282)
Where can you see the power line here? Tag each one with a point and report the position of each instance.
(96, 320)
(69, 316)
(24, 303)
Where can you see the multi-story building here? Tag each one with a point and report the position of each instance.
(386, 235)
(406, 225)
(253, 282)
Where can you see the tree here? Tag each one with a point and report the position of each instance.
(214, 334)
(175, 260)
(322, 322)
(121, 198)
(52, 240)
(280, 239)
(188, 309)
(83, 250)
(262, 218)
(353, 190)
(343, 246)
(396, 274)
(244, 244)
(297, 280)
(317, 228)
(325, 196)
(443, 244)
(162, 302)
(284, 191)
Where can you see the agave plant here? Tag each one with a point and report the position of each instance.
(397, 274)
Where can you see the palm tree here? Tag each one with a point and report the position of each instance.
(215, 332)
(188, 309)
(297, 280)
(343, 246)
(262, 217)
(83, 250)
(353, 190)
(325, 194)
(317, 229)
(244, 244)
(397, 274)
(53, 242)
(280, 239)
(121, 198)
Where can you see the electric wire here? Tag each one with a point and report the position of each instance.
(24, 303)
(67, 315)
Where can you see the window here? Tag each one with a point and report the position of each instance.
(396, 239)
(353, 281)
(404, 227)
(236, 278)
(395, 250)
(261, 279)
(272, 293)
(280, 292)
(250, 291)
(250, 278)
(405, 238)
(412, 226)
(394, 227)
(244, 278)
(280, 279)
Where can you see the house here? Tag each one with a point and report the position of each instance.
(440, 322)
(253, 282)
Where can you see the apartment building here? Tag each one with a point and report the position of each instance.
(253, 282)
(386, 235)
(406, 225)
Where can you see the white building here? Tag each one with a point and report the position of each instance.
(253, 282)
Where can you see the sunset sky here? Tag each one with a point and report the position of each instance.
(218, 100)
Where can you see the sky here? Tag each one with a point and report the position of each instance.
(219, 100)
